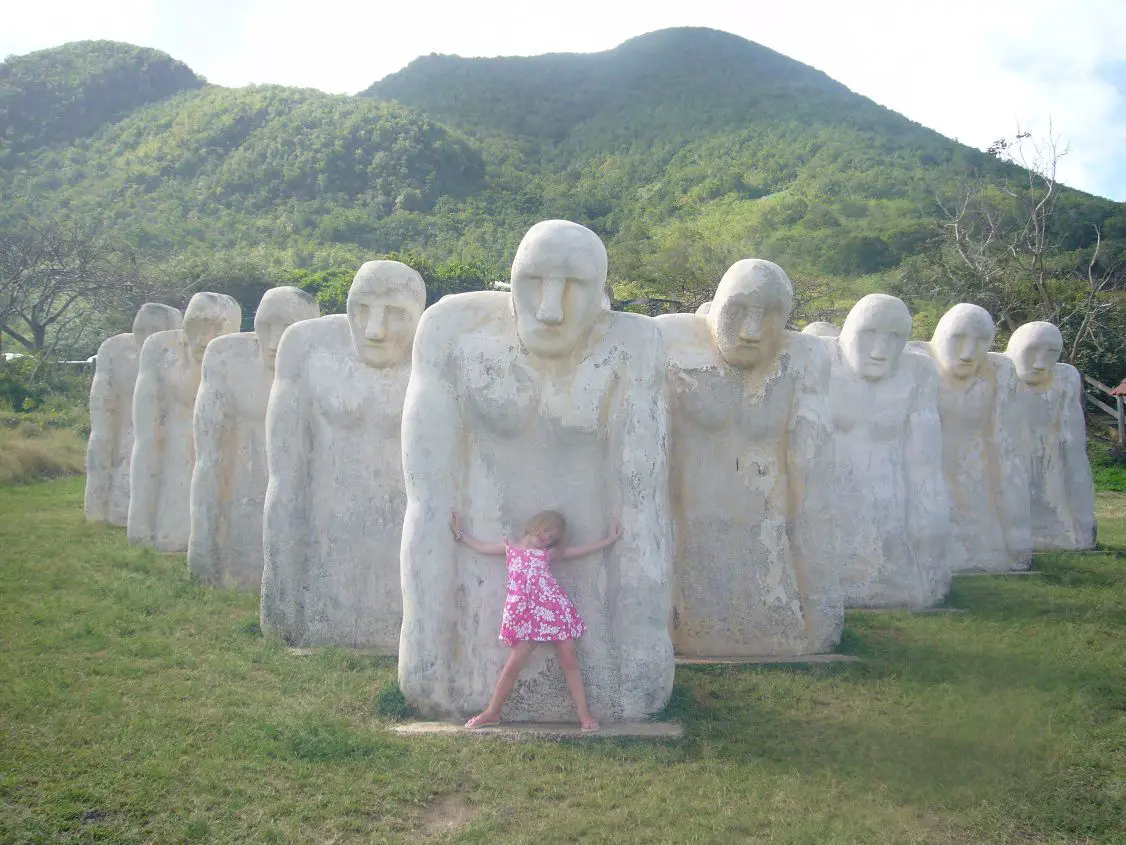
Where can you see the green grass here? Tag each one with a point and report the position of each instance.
(136, 706)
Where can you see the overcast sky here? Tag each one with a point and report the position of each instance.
(972, 69)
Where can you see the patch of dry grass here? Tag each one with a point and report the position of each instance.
(30, 453)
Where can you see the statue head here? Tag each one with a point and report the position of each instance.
(749, 312)
(279, 309)
(152, 317)
(385, 303)
(209, 315)
(558, 283)
(962, 339)
(874, 334)
(819, 328)
(1035, 349)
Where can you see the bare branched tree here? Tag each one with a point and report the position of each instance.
(1001, 246)
(56, 274)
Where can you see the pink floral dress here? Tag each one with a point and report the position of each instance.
(536, 607)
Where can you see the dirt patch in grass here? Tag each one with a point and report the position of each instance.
(446, 814)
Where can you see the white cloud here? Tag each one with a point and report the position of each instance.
(970, 69)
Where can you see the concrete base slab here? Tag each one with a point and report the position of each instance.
(768, 661)
(545, 730)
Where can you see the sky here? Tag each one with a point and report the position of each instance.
(975, 70)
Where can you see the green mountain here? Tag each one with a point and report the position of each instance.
(683, 148)
(59, 95)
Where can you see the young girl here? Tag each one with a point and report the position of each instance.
(536, 609)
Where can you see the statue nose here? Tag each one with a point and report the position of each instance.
(375, 329)
(550, 310)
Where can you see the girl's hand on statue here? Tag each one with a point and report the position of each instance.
(455, 525)
(615, 528)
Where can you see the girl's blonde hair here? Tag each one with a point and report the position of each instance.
(547, 521)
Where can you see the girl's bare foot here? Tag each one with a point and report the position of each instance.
(483, 720)
(589, 725)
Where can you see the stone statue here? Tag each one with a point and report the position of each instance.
(704, 308)
(1051, 396)
(755, 557)
(335, 501)
(111, 414)
(229, 482)
(521, 402)
(983, 453)
(819, 328)
(892, 506)
(163, 449)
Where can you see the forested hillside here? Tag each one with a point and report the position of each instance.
(684, 149)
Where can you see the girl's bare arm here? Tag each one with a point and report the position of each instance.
(473, 543)
(597, 546)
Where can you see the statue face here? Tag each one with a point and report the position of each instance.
(153, 318)
(746, 330)
(1035, 349)
(962, 340)
(874, 335)
(748, 314)
(558, 281)
(201, 330)
(208, 316)
(383, 318)
(279, 309)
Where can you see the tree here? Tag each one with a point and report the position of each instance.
(1004, 241)
(55, 275)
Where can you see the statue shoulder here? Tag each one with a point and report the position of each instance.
(116, 345)
(919, 347)
(464, 310)
(810, 356)
(639, 337)
(686, 338)
(161, 343)
(921, 367)
(1067, 375)
(230, 346)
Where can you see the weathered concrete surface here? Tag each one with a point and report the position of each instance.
(163, 446)
(334, 505)
(545, 730)
(519, 402)
(228, 489)
(755, 555)
(984, 444)
(110, 447)
(892, 506)
(1062, 490)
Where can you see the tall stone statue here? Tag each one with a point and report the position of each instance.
(892, 506)
(163, 448)
(334, 505)
(111, 414)
(820, 328)
(984, 453)
(521, 402)
(755, 556)
(1051, 396)
(229, 482)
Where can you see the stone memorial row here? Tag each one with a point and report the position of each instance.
(764, 479)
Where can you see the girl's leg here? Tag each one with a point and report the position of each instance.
(570, 663)
(507, 680)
